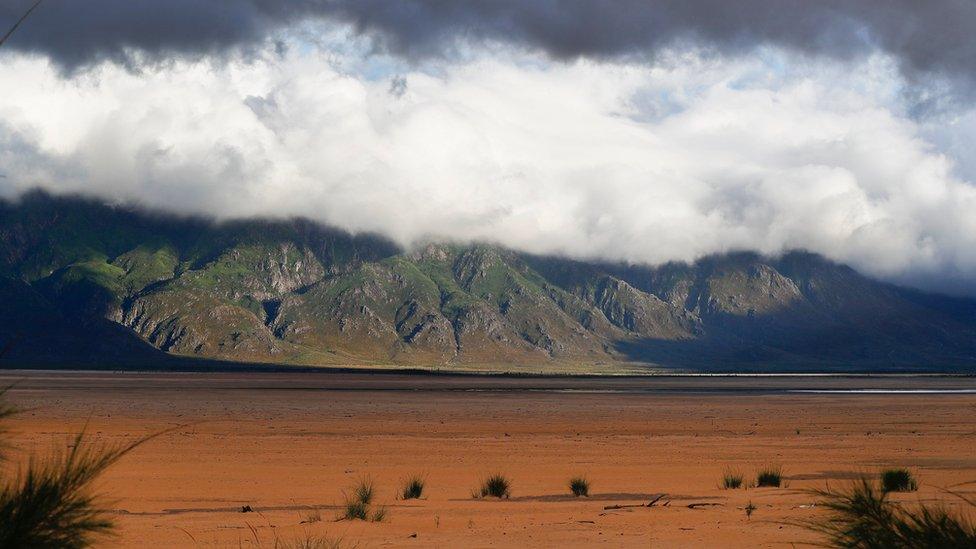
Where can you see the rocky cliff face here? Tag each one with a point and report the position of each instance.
(296, 292)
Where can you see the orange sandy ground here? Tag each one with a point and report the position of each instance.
(286, 452)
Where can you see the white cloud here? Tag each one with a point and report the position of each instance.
(684, 158)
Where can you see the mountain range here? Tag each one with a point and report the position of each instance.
(87, 284)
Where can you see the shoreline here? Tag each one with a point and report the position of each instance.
(389, 381)
(412, 371)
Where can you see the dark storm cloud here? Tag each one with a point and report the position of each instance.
(77, 33)
(927, 37)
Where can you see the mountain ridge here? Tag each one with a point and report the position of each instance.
(83, 282)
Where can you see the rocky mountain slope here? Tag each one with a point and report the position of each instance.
(89, 284)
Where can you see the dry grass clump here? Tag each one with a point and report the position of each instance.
(862, 516)
(363, 492)
(770, 476)
(898, 480)
(309, 541)
(356, 510)
(731, 480)
(311, 516)
(495, 485)
(49, 502)
(579, 486)
(413, 487)
(305, 541)
(358, 506)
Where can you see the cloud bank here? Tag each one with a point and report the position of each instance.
(923, 37)
(649, 133)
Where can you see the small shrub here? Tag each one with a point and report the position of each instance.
(862, 516)
(898, 480)
(731, 480)
(495, 485)
(413, 487)
(769, 476)
(579, 486)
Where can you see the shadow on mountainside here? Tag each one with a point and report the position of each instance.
(781, 342)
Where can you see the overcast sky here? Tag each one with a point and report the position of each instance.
(643, 131)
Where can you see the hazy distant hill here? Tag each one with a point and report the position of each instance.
(82, 283)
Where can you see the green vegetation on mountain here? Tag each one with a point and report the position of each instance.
(82, 282)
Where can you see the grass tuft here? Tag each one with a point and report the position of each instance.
(731, 480)
(307, 541)
(495, 485)
(356, 510)
(863, 516)
(579, 486)
(310, 542)
(898, 480)
(357, 506)
(364, 491)
(50, 504)
(770, 476)
(312, 516)
(413, 487)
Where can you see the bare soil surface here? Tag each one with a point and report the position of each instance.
(289, 445)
